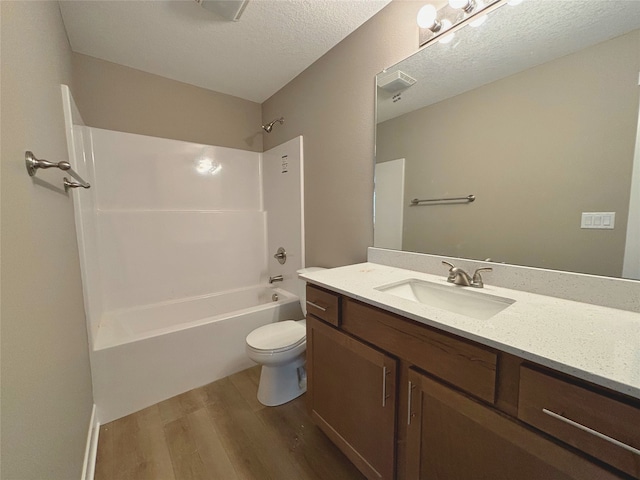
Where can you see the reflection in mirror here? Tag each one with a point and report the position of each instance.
(535, 113)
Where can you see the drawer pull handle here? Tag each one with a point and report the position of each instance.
(592, 431)
(316, 306)
(409, 414)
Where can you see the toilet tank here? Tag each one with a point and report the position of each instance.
(302, 287)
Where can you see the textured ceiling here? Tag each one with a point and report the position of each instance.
(512, 40)
(272, 43)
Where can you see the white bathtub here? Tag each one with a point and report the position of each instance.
(147, 354)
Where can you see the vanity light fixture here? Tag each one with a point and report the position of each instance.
(467, 5)
(428, 18)
(451, 16)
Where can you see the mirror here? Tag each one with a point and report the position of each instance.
(535, 114)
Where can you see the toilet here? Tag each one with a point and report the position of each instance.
(280, 348)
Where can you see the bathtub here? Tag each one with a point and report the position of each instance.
(144, 355)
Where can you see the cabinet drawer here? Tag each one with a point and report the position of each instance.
(459, 362)
(323, 304)
(604, 427)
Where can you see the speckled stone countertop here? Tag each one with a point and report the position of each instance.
(594, 343)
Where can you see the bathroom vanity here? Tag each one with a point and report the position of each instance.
(545, 388)
(488, 155)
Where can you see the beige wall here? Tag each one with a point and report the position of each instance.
(120, 98)
(537, 149)
(46, 380)
(331, 103)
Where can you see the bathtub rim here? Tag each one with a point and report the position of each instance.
(284, 297)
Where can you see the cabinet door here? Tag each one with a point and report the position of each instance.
(352, 397)
(452, 437)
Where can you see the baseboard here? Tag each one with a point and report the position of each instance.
(91, 449)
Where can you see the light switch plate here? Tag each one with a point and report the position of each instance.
(598, 220)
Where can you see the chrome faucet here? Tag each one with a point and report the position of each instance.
(276, 278)
(458, 276)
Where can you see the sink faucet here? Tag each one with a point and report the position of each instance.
(458, 276)
(275, 278)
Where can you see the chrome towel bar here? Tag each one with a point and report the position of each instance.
(468, 199)
(33, 164)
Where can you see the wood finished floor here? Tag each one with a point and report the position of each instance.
(220, 432)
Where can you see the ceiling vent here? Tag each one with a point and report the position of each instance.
(228, 9)
(395, 81)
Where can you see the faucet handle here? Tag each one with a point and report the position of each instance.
(477, 278)
(452, 274)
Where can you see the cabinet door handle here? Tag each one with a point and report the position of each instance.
(409, 414)
(592, 431)
(384, 385)
(316, 306)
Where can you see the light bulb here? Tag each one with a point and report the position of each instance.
(427, 16)
(458, 3)
(467, 5)
(446, 25)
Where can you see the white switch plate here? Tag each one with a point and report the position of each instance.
(598, 220)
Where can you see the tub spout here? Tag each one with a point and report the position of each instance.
(276, 278)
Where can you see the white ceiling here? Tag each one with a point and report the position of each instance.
(253, 58)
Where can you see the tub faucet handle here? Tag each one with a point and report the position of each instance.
(281, 255)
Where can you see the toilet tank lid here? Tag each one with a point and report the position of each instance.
(309, 270)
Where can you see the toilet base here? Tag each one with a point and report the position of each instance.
(281, 384)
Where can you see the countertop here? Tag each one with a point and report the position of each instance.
(594, 343)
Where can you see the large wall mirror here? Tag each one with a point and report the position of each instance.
(535, 114)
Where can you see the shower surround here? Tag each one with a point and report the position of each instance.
(176, 241)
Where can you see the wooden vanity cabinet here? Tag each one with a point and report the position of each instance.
(351, 395)
(462, 363)
(454, 409)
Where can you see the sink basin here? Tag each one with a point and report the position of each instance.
(481, 306)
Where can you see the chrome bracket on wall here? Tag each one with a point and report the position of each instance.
(69, 184)
(281, 256)
(33, 164)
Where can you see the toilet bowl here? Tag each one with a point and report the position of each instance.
(280, 348)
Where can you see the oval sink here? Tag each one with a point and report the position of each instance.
(481, 306)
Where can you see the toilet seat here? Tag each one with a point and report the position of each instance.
(277, 337)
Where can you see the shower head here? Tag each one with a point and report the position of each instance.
(269, 126)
